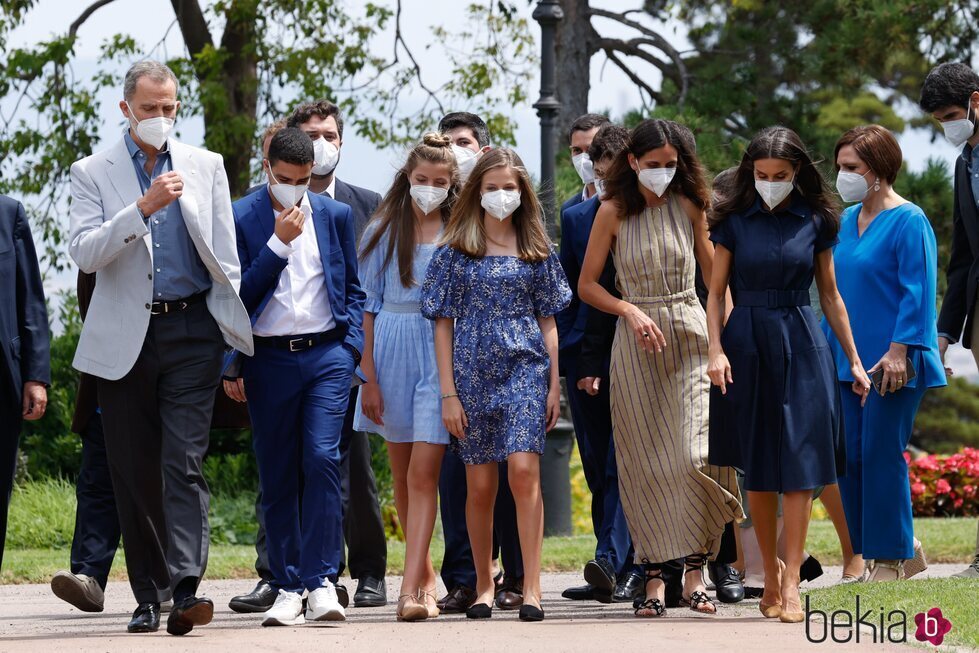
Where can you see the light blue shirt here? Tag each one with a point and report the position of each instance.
(178, 269)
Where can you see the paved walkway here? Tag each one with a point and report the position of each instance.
(32, 619)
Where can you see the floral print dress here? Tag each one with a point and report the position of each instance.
(501, 367)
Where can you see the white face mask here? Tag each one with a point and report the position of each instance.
(773, 193)
(326, 156)
(466, 160)
(656, 179)
(583, 165)
(428, 198)
(152, 131)
(959, 131)
(286, 194)
(501, 203)
(851, 186)
(599, 187)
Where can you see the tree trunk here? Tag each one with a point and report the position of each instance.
(574, 48)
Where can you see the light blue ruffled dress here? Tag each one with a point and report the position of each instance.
(404, 349)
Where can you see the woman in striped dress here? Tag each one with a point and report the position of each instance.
(653, 221)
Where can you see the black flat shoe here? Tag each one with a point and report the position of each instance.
(531, 613)
(189, 612)
(580, 593)
(343, 596)
(629, 589)
(600, 574)
(259, 599)
(727, 583)
(146, 619)
(371, 593)
(810, 569)
(479, 611)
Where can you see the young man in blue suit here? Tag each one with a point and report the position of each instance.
(300, 286)
(611, 576)
(25, 370)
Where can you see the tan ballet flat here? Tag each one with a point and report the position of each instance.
(411, 609)
(433, 609)
(791, 617)
(770, 611)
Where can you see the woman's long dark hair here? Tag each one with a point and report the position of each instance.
(622, 182)
(779, 143)
(395, 216)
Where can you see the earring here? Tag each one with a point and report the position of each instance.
(876, 185)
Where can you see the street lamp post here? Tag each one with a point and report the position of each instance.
(548, 13)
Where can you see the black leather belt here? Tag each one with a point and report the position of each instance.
(772, 298)
(177, 305)
(300, 342)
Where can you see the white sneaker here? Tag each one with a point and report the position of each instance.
(286, 611)
(80, 590)
(322, 605)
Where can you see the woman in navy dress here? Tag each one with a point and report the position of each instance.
(886, 264)
(493, 288)
(777, 416)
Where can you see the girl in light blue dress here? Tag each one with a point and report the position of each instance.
(400, 397)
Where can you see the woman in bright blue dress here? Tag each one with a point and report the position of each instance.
(493, 288)
(886, 269)
(400, 397)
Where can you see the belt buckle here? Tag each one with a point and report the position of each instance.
(183, 306)
(293, 344)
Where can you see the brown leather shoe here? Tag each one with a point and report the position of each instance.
(510, 594)
(457, 601)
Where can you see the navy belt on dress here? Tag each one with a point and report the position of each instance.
(177, 305)
(300, 342)
(772, 298)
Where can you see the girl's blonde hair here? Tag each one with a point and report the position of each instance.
(395, 215)
(466, 231)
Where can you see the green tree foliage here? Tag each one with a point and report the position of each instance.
(948, 419)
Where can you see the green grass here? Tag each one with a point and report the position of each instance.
(956, 598)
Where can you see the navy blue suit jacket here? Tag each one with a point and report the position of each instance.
(362, 202)
(577, 218)
(24, 333)
(261, 267)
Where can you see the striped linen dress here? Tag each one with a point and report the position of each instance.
(675, 503)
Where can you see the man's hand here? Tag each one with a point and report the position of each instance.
(235, 389)
(589, 384)
(942, 348)
(35, 400)
(165, 189)
(289, 224)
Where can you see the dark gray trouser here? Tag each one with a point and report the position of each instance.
(157, 421)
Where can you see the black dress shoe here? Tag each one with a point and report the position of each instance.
(479, 611)
(189, 612)
(753, 592)
(600, 574)
(629, 589)
(343, 596)
(531, 613)
(259, 599)
(580, 593)
(371, 593)
(727, 582)
(510, 594)
(810, 569)
(457, 601)
(146, 619)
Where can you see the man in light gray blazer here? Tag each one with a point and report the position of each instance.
(152, 217)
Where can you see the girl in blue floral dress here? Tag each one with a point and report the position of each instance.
(400, 398)
(493, 288)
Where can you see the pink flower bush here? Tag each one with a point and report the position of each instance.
(945, 486)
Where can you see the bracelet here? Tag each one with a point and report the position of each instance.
(448, 395)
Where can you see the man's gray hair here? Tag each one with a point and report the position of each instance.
(155, 70)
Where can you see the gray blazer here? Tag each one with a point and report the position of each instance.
(109, 236)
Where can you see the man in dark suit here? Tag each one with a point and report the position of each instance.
(25, 366)
(950, 94)
(300, 286)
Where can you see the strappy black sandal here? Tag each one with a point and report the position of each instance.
(650, 607)
(699, 600)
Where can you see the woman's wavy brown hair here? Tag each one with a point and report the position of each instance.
(395, 215)
(466, 231)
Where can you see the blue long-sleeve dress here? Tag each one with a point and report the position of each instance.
(887, 277)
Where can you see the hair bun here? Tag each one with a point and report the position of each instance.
(435, 139)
